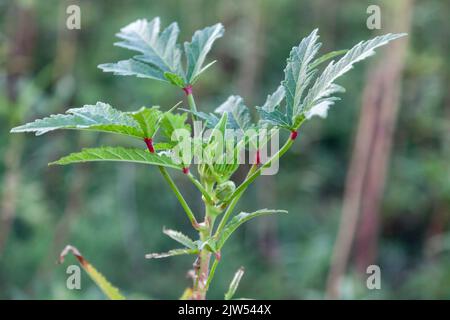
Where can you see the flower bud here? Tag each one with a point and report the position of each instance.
(224, 190)
(205, 172)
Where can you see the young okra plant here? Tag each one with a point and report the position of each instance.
(207, 148)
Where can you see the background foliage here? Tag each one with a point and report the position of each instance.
(114, 213)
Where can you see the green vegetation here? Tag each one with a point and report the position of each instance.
(114, 212)
(160, 59)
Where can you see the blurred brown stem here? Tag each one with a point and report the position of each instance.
(370, 158)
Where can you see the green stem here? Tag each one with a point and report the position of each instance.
(180, 197)
(234, 202)
(200, 187)
(251, 176)
(191, 102)
(257, 173)
(211, 273)
(192, 105)
(201, 281)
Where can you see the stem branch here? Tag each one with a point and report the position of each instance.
(173, 186)
(203, 275)
(191, 101)
(180, 197)
(200, 187)
(253, 173)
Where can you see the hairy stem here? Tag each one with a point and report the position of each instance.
(202, 276)
(230, 208)
(200, 286)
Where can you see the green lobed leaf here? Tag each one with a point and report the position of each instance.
(298, 72)
(274, 100)
(174, 79)
(210, 245)
(148, 120)
(238, 114)
(238, 220)
(210, 118)
(175, 129)
(181, 238)
(319, 96)
(158, 49)
(271, 112)
(117, 154)
(275, 118)
(171, 122)
(219, 128)
(171, 253)
(159, 52)
(163, 146)
(198, 48)
(98, 117)
(132, 67)
(107, 288)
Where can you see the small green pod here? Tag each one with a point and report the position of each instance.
(224, 190)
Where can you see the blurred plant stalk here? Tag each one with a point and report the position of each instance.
(21, 37)
(370, 157)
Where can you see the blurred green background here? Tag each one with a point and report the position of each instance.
(382, 153)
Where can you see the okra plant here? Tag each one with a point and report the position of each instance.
(208, 154)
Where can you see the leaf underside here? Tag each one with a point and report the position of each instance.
(305, 98)
(120, 154)
(158, 51)
(98, 117)
(238, 114)
(198, 48)
(238, 220)
(171, 253)
(159, 55)
(320, 95)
